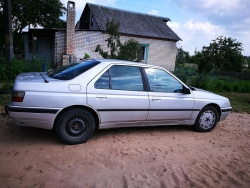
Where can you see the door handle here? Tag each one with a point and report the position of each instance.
(101, 97)
(156, 99)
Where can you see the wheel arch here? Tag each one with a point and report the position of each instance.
(91, 110)
(217, 107)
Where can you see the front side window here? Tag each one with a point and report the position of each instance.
(161, 81)
(120, 77)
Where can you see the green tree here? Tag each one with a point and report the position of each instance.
(127, 51)
(247, 62)
(222, 53)
(45, 13)
(182, 56)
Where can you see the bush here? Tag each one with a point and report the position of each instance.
(7, 86)
(9, 71)
(220, 84)
(86, 56)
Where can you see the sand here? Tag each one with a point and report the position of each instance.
(164, 157)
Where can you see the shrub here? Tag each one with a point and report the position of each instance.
(7, 86)
(86, 56)
(218, 83)
(9, 71)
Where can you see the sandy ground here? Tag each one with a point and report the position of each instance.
(164, 157)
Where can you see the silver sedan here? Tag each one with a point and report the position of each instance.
(79, 98)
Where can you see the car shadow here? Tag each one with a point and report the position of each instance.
(11, 133)
(173, 129)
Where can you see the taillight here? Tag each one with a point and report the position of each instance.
(18, 96)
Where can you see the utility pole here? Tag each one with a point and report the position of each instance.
(8, 30)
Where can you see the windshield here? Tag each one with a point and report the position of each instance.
(72, 70)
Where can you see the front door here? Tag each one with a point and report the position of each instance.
(167, 100)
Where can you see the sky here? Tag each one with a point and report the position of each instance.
(196, 22)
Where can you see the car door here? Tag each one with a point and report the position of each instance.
(118, 95)
(168, 102)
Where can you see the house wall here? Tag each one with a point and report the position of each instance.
(162, 53)
(60, 46)
(86, 42)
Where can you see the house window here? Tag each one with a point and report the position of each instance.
(33, 44)
(92, 21)
(143, 53)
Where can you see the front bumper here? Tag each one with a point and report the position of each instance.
(225, 112)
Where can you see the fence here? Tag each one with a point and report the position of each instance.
(23, 62)
(231, 74)
(18, 55)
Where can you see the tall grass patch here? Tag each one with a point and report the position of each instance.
(9, 71)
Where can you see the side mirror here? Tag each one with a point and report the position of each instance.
(186, 90)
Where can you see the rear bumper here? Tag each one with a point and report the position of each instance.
(32, 116)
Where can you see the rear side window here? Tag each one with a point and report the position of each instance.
(120, 77)
(103, 81)
(72, 70)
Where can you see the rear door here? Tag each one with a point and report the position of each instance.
(118, 95)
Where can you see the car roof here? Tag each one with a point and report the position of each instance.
(116, 61)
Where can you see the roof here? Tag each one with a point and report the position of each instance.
(42, 31)
(133, 23)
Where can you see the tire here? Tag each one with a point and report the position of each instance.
(75, 126)
(207, 119)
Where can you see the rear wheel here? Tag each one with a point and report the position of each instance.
(207, 119)
(75, 126)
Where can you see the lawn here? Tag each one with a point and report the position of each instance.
(239, 101)
(4, 99)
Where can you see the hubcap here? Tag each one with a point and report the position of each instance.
(76, 126)
(207, 119)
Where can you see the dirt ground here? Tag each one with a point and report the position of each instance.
(164, 157)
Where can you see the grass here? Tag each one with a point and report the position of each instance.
(4, 99)
(239, 101)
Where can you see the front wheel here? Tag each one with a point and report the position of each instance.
(75, 126)
(206, 119)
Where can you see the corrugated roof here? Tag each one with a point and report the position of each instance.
(133, 23)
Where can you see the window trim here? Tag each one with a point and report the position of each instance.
(145, 79)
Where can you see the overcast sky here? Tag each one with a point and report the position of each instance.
(196, 22)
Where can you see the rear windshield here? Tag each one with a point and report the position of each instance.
(72, 70)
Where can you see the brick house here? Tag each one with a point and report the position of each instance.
(156, 38)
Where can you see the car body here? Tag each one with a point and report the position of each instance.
(79, 98)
